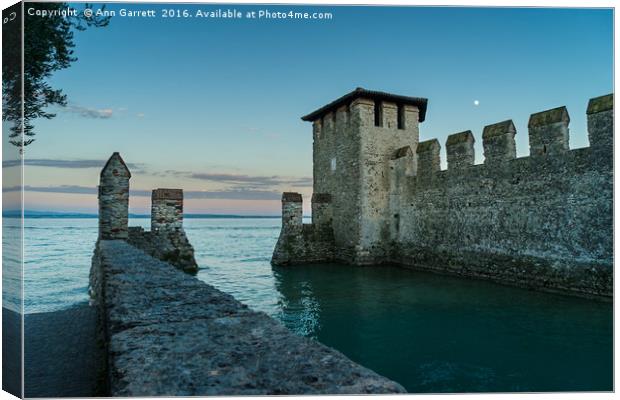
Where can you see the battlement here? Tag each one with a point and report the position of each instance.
(548, 136)
(428, 156)
(460, 150)
(548, 131)
(600, 114)
(498, 141)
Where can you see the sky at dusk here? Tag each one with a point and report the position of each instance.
(214, 106)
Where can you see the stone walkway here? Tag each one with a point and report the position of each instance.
(172, 335)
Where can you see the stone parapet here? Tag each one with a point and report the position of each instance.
(169, 334)
(171, 246)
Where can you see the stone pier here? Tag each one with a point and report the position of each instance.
(166, 333)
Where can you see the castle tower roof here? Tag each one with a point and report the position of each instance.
(369, 94)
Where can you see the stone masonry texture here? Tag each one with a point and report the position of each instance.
(543, 222)
(166, 240)
(169, 334)
(114, 199)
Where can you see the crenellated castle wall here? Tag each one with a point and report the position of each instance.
(544, 221)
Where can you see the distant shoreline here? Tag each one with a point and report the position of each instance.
(43, 214)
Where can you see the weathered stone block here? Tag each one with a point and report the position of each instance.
(166, 209)
(428, 157)
(548, 132)
(322, 210)
(498, 141)
(601, 123)
(460, 150)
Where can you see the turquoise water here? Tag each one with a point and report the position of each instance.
(431, 333)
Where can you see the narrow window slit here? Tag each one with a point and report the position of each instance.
(378, 113)
(401, 116)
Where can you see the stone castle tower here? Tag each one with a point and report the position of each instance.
(380, 196)
(356, 138)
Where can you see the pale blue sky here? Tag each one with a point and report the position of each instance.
(217, 103)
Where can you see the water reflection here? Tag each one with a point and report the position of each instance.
(299, 308)
(437, 334)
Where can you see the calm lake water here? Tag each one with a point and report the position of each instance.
(431, 333)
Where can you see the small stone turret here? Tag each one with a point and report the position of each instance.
(166, 209)
(114, 199)
(304, 243)
(167, 239)
(292, 212)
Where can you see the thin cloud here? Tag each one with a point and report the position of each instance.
(236, 179)
(71, 164)
(87, 112)
(234, 194)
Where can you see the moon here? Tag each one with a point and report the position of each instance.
(476, 103)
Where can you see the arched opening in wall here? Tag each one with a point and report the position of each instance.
(544, 151)
(397, 222)
(378, 113)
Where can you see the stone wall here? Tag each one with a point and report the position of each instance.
(169, 334)
(544, 221)
(301, 243)
(169, 245)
